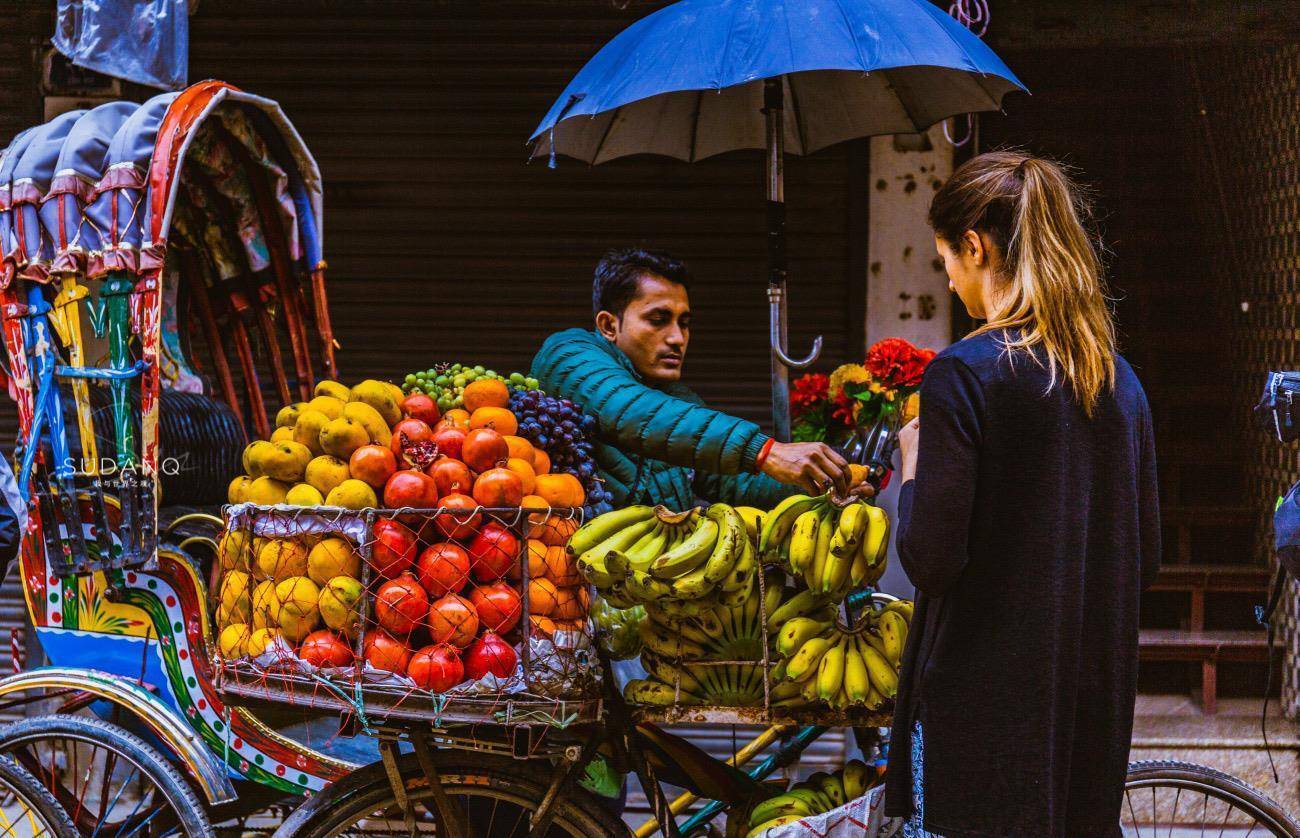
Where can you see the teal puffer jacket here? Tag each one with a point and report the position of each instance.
(655, 445)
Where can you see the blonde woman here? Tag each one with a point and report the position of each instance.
(1028, 523)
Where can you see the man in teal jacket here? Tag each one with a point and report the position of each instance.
(657, 441)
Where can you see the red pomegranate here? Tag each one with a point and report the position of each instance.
(393, 549)
(437, 668)
(499, 488)
(401, 604)
(492, 552)
(462, 521)
(419, 406)
(483, 449)
(412, 488)
(452, 477)
(453, 619)
(498, 605)
(383, 651)
(450, 441)
(325, 648)
(490, 653)
(443, 569)
(407, 432)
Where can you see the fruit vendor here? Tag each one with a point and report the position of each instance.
(657, 442)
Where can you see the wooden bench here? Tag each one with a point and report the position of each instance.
(1194, 643)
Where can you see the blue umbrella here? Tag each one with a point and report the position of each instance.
(702, 77)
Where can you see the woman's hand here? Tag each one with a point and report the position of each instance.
(816, 467)
(909, 441)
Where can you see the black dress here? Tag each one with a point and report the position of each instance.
(1029, 532)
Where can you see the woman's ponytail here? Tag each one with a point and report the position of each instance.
(1053, 295)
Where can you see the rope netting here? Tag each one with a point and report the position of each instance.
(439, 616)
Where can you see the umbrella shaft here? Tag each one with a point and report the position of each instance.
(773, 96)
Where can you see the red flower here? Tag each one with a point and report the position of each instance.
(809, 390)
(895, 362)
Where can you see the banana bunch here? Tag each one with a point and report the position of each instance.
(676, 649)
(820, 793)
(642, 555)
(841, 667)
(832, 549)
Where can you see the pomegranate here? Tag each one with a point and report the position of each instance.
(401, 604)
(490, 654)
(419, 406)
(372, 463)
(493, 551)
(450, 440)
(452, 477)
(437, 668)
(483, 449)
(443, 569)
(461, 521)
(408, 432)
(453, 619)
(383, 651)
(393, 549)
(410, 488)
(499, 488)
(498, 605)
(325, 648)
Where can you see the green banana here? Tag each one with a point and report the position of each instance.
(856, 778)
(648, 548)
(604, 571)
(692, 585)
(601, 527)
(832, 787)
(760, 830)
(688, 555)
(669, 673)
(779, 806)
(796, 606)
(654, 693)
(803, 540)
(798, 631)
(671, 646)
(645, 587)
(619, 541)
(778, 523)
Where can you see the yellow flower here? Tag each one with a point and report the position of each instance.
(911, 407)
(848, 373)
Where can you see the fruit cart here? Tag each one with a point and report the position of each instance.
(162, 280)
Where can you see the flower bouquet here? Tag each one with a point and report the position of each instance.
(860, 407)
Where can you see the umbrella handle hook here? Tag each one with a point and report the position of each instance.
(777, 338)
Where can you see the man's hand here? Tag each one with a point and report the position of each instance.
(813, 465)
(909, 442)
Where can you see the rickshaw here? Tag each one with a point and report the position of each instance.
(156, 259)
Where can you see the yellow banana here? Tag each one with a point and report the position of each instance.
(778, 523)
(821, 553)
(851, 527)
(861, 567)
(803, 540)
(689, 555)
(639, 691)
(794, 633)
(883, 676)
(761, 830)
(620, 541)
(856, 779)
(778, 807)
(671, 646)
(903, 607)
(730, 545)
(796, 606)
(648, 547)
(742, 574)
(893, 632)
(831, 786)
(692, 585)
(830, 670)
(876, 540)
(644, 587)
(669, 673)
(857, 684)
(602, 527)
(804, 664)
(753, 519)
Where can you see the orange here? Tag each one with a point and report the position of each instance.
(485, 392)
(533, 501)
(543, 624)
(568, 604)
(536, 562)
(497, 418)
(561, 568)
(560, 490)
(543, 597)
(541, 461)
(520, 448)
(526, 474)
(551, 530)
(457, 418)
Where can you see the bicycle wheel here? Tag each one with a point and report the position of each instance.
(109, 781)
(27, 808)
(498, 795)
(1162, 796)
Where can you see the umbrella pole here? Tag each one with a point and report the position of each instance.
(776, 260)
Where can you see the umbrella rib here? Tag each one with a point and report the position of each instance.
(888, 74)
(795, 114)
(695, 123)
(604, 135)
(857, 45)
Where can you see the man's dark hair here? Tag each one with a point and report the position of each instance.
(618, 274)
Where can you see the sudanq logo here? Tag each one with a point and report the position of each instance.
(170, 466)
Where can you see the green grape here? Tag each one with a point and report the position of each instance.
(480, 370)
(410, 379)
(442, 381)
(516, 378)
(491, 374)
(531, 382)
(459, 382)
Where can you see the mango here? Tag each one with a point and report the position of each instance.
(332, 557)
(261, 640)
(236, 613)
(282, 435)
(267, 491)
(299, 607)
(352, 494)
(397, 394)
(338, 605)
(237, 492)
(266, 605)
(304, 494)
(288, 415)
(233, 641)
(233, 594)
(307, 430)
(330, 406)
(341, 436)
(234, 551)
(255, 455)
(370, 419)
(378, 395)
(286, 461)
(333, 389)
(282, 558)
(325, 472)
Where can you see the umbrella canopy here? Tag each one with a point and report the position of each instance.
(687, 81)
